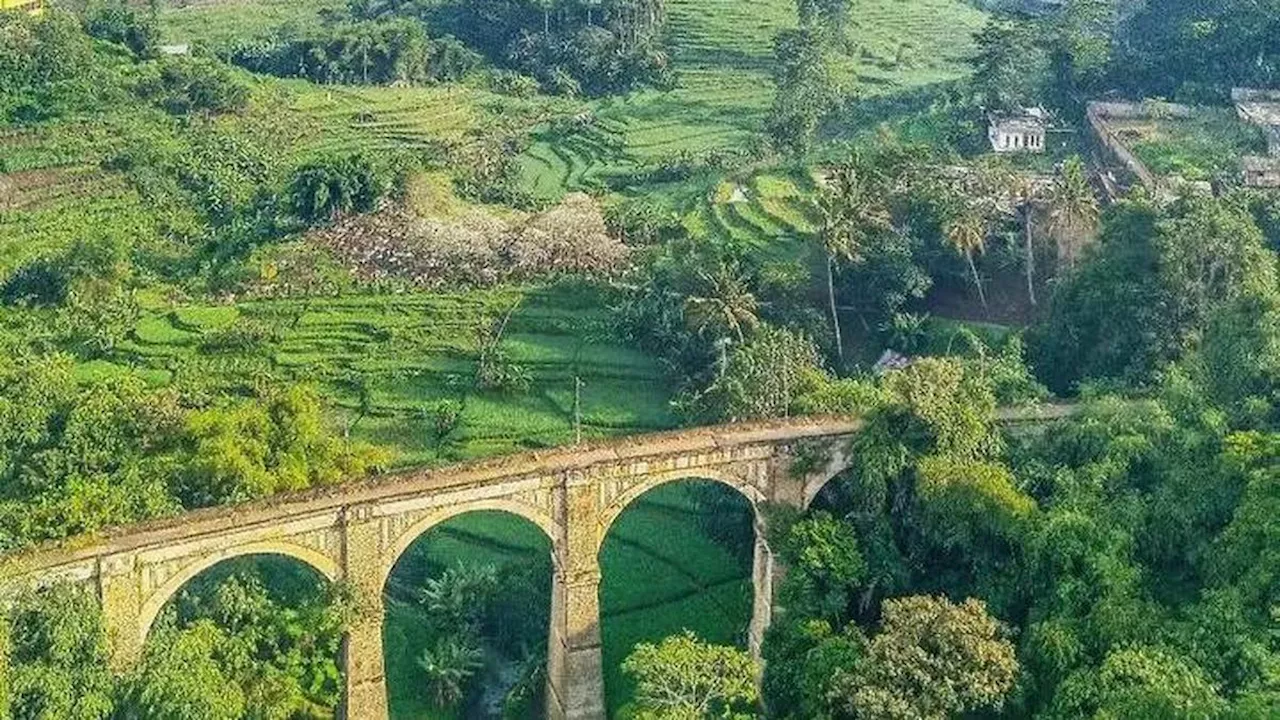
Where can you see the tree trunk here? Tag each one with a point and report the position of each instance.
(835, 316)
(1031, 255)
(977, 281)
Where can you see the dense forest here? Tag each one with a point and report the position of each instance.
(326, 242)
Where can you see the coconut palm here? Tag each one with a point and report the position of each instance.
(853, 211)
(1073, 211)
(448, 666)
(967, 234)
(724, 307)
(1026, 199)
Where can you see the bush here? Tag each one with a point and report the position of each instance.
(323, 190)
(46, 66)
(186, 86)
(118, 23)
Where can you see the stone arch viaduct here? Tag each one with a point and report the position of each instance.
(356, 532)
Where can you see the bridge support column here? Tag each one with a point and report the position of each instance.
(762, 567)
(366, 690)
(575, 668)
(120, 591)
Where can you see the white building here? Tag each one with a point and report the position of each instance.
(1018, 133)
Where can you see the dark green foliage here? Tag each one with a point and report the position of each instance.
(1004, 67)
(379, 52)
(191, 86)
(116, 21)
(56, 657)
(822, 552)
(321, 191)
(591, 47)
(1156, 283)
(831, 16)
(805, 93)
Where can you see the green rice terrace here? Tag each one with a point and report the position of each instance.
(723, 57)
(398, 367)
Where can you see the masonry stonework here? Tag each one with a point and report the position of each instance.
(355, 533)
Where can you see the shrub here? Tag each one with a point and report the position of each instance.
(116, 22)
(186, 86)
(323, 190)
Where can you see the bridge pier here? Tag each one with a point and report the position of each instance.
(575, 668)
(366, 688)
(121, 598)
(762, 567)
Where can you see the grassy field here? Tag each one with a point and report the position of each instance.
(215, 23)
(392, 361)
(661, 575)
(1202, 147)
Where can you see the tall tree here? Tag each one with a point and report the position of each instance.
(682, 678)
(931, 660)
(1006, 66)
(854, 209)
(1027, 199)
(723, 308)
(805, 94)
(1073, 211)
(967, 234)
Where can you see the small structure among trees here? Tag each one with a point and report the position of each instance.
(1261, 172)
(1261, 108)
(1018, 132)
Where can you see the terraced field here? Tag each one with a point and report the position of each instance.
(661, 575)
(396, 364)
(904, 44)
(722, 52)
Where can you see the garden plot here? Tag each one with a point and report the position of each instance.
(1206, 145)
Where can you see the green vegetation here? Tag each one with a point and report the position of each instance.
(1207, 146)
(403, 370)
(340, 237)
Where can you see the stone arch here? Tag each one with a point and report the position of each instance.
(815, 481)
(406, 538)
(620, 503)
(155, 602)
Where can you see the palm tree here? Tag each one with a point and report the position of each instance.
(1073, 211)
(457, 596)
(1026, 202)
(853, 210)
(448, 666)
(967, 234)
(725, 308)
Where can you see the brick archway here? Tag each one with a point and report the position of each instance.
(610, 513)
(529, 513)
(153, 604)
